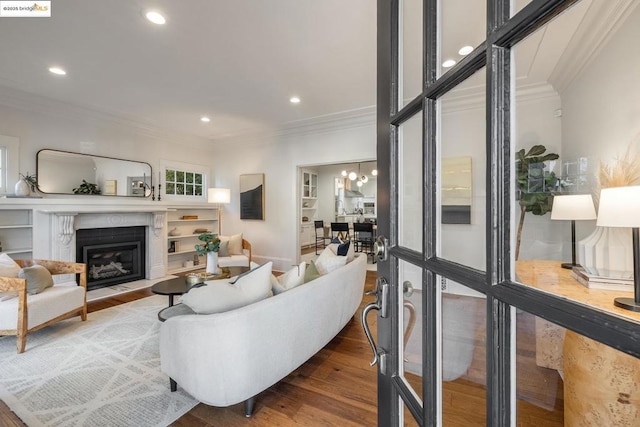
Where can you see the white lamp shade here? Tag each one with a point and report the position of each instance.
(219, 195)
(619, 207)
(573, 207)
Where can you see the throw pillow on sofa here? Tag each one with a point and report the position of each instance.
(339, 249)
(221, 295)
(288, 280)
(329, 261)
(38, 278)
(311, 272)
(8, 267)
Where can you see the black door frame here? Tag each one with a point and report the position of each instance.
(501, 290)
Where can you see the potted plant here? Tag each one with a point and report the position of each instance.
(209, 247)
(534, 184)
(31, 180)
(86, 188)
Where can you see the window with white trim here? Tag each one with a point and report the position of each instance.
(184, 181)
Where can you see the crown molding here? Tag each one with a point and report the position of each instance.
(601, 21)
(345, 120)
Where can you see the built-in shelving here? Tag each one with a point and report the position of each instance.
(16, 232)
(181, 248)
(308, 207)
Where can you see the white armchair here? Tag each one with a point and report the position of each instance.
(28, 313)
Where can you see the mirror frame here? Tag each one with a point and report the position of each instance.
(148, 192)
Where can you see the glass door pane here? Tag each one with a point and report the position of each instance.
(411, 50)
(462, 173)
(410, 183)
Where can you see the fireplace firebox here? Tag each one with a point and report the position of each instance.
(112, 255)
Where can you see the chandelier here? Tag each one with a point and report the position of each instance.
(359, 176)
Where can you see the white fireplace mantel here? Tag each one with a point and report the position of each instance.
(56, 220)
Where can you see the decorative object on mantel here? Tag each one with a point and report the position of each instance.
(534, 184)
(209, 248)
(620, 207)
(573, 207)
(610, 248)
(22, 188)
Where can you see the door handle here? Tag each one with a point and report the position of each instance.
(381, 248)
(380, 304)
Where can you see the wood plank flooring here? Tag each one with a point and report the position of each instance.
(337, 387)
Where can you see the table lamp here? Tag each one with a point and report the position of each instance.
(620, 207)
(573, 207)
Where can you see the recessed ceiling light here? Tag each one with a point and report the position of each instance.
(465, 50)
(449, 63)
(57, 70)
(155, 17)
(294, 100)
(205, 119)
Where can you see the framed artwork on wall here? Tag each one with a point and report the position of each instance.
(252, 196)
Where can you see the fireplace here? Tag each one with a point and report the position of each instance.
(112, 255)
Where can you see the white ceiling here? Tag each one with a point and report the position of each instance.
(237, 62)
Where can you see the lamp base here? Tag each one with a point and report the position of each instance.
(627, 303)
(569, 265)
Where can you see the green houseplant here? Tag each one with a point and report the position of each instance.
(31, 180)
(534, 184)
(209, 247)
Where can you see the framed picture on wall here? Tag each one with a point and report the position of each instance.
(252, 196)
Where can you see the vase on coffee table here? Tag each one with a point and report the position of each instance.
(212, 263)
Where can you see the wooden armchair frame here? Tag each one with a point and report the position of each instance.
(10, 284)
(247, 246)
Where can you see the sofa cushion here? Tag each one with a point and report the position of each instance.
(329, 261)
(289, 280)
(311, 272)
(221, 295)
(338, 249)
(223, 249)
(38, 278)
(235, 244)
(8, 267)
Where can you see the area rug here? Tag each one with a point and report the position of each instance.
(102, 372)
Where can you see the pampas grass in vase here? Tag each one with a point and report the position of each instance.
(610, 248)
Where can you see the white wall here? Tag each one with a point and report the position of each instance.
(48, 124)
(278, 157)
(601, 107)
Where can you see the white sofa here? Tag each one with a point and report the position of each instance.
(226, 358)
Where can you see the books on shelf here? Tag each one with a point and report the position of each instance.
(604, 279)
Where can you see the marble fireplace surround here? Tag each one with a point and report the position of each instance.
(55, 226)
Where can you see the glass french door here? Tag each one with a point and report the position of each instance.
(461, 321)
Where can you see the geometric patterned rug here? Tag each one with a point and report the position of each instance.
(102, 372)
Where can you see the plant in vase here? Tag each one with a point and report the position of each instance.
(32, 180)
(534, 184)
(209, 247)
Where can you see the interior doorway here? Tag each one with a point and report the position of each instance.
(327, 193)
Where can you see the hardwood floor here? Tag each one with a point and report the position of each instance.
(337, 387)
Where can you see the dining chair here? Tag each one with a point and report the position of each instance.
(340, 230)
(321, 236)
